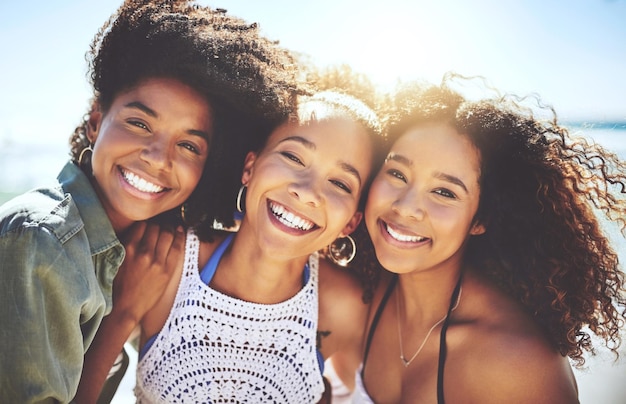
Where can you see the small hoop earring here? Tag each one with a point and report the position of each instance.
(342, 251)
(241, 199)
(183, 207)
(83, 158)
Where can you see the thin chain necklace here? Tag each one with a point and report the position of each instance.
(406, 362)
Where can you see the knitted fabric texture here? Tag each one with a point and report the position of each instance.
(219, 349)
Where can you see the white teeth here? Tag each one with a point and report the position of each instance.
(404, 237)
(141, 184)
(289, 219)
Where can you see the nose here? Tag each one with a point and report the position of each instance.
(409, 204)
(306, 190)
(157, 154)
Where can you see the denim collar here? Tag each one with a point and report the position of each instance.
(97, 224)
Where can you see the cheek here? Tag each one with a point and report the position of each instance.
(112, 144)
(102, 152)
(190, 174)
(376, 202)
(442, 214)
(341, 208)
(380, 195)
(453, 222)
(446, 216)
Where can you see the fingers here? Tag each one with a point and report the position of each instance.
(177, 250)
(160, 247)
(132, 237)
(163, 244)
(148, 245)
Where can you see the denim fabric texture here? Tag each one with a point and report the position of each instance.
(58, 257)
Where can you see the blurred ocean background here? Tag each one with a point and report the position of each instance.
(25, 165)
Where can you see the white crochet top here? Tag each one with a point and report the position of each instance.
(219, 349)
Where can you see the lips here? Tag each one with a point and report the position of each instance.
(141, 184)
(402, 236)
(289, 219)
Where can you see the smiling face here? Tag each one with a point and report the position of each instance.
(304, 186)
(422, 203)
(149, 149)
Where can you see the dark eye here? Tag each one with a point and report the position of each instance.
(341, 185)
(191, 147)
(292, 157)
(397, 174)
(445, 193)
(139, 124)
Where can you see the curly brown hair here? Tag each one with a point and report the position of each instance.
(248, 80)
(543, 192)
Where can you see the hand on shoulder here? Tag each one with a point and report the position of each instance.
(152, 255)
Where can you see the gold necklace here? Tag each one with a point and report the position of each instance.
(406, 362)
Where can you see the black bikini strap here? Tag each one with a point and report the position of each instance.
(442, 342)
(379, 312)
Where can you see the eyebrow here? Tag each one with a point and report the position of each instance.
(347, 167)
(399, 158)
(442, 176)
(149, 111)
(299, 139)
(142, 107)
(452, 179)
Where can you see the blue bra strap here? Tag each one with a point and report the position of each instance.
(206, 274)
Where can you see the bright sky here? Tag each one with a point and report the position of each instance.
(572, 53)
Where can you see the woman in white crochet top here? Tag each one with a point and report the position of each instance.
(250, 315)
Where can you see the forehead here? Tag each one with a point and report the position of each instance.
(438, 145)
(334, 139)
(326, 132)
(168, 94)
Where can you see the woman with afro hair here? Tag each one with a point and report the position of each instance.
(178, 91)
(486, 218)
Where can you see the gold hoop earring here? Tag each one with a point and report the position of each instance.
(241, 199)
(342, 251)
(83, 158)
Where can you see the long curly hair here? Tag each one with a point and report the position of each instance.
(543, 193)
(248, 80)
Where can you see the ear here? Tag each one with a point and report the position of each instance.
(248, 167)
(477, 229)
(352, 224)
(94, 122)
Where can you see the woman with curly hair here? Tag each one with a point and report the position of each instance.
(178, 91)
(486, 219)
(250, 315)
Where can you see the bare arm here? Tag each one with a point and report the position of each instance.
(152, 255)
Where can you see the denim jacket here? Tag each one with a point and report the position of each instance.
(58, 257)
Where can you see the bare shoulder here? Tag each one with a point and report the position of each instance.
(342, 312)
(503, 356)
(339, 290)
(334, 279)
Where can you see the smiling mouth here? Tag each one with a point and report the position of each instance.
(141, 184)
(289, 219)
(404, 238)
